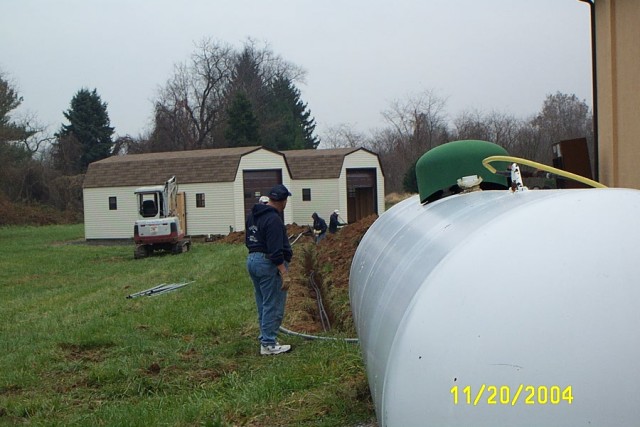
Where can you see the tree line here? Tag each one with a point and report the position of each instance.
(220, 97)
(225, 97)
(415, 125)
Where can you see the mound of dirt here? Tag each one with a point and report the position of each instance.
(331, 267)
(235, 237)
(337, 250)
(293, 230)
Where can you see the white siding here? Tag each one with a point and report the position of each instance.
(224, 202)
(362, 159)
(102, 223)
(325, 198)
(217, 214)
(260, 159)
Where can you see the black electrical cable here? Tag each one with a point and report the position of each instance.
(324, 318)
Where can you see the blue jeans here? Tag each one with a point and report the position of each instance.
(270, 298)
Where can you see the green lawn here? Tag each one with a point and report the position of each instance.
(75, 351)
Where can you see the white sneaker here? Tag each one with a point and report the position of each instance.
(274, 349)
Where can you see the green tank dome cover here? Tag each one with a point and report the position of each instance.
(442, 166)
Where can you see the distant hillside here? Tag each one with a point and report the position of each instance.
(34, 214)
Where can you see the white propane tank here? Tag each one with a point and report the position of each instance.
(495, 308)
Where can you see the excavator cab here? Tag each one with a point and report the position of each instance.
(158, 226)
(149, 208)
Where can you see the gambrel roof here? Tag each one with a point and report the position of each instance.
(194, 166)
(211, 165)
(318, 164)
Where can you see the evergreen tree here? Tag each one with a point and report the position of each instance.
(15, 159)
(289, 124)
(10, 131)
(245, 99)
(410, 181)
(242, 124)
(89, 126)
(247, 77)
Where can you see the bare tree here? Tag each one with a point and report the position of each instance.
(499, 128)
(192, 101)
(190, 112)
(384, 143)
(531, 145)
(271, 65)
(562, 117)
(36, 139)
(419, 123)
(416, 125)
(471, 125)
(343, 135)
(20, 141)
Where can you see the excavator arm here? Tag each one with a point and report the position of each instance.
(171, 197)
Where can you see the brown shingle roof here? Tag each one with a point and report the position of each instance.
(214, 165)
(316, 164)
(195, 166)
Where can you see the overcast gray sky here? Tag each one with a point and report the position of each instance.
(359, 55)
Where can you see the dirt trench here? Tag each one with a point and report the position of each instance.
(330, 261)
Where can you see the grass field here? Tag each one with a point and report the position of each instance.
(75, 351)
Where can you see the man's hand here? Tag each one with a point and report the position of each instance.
(284, 276)
(282, 269)
(286, 281)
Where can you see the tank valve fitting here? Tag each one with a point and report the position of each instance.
(516, 179)
(470, 183)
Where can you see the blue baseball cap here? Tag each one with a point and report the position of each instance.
(279, 192)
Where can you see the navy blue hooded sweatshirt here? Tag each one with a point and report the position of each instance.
(265, 232)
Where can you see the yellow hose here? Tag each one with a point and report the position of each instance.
(541, 166)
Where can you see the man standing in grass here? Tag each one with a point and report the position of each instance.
(268, 263)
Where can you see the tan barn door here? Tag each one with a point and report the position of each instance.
(182, 212)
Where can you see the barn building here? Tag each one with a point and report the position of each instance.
(347, 179)
(218, 187)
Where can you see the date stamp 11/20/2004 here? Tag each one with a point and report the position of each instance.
(507, 395)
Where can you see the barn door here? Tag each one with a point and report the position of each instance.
(257, 183)
(361, 193)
